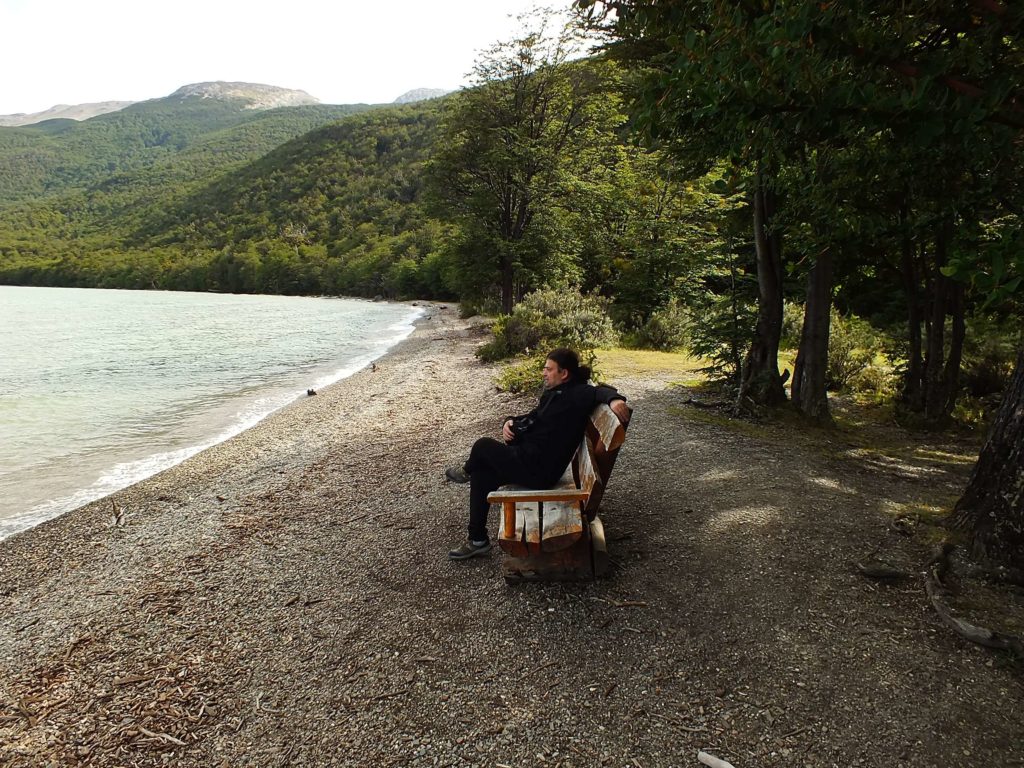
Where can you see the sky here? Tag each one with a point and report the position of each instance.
(340, 51)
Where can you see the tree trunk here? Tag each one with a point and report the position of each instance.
(951, 373)
(507, 285)
(932, 382)
(809, 393)
(991, 510)
(912, 397)
(942, 371)
(760, 380)
(935, 349)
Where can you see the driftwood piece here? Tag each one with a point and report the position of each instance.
(711, 761)
(939, 567)
(599, 547)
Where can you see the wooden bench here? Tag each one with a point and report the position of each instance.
(555, 534)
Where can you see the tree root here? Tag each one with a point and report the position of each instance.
(937, 570)
(881, 571)
(998, 574)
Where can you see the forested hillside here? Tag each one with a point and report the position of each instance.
(239, 206)
(185, 136)
(72, 193)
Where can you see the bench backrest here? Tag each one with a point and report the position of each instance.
(592, 465)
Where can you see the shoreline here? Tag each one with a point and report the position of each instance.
(126, 473)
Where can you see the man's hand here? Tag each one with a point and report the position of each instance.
(620, 409)
(506, 431)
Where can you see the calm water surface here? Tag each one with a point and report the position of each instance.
(100, 389)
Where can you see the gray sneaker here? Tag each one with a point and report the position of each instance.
(456, 475)
(470, 549)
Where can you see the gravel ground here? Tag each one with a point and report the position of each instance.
(283, 599)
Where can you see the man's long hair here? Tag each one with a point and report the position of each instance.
(568, 360)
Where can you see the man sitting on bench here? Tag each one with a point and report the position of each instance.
(537, 447)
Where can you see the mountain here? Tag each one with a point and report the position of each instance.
(196, 131)
(64, 112)
(255, 95)
(421, 94)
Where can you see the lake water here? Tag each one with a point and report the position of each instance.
(100, 388)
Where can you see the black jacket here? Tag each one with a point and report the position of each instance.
(546, 438)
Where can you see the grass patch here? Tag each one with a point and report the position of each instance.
(928, 518)
(695, 383)
(619, 362)
(945, 457)
(932, 513)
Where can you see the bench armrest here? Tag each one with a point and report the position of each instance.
(567, 494)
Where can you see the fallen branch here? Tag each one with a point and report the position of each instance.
(32, 623)
(261, 708)
(132, 679)
(161, 736)
(391, 695)
(881, 572)
(676, 724)
(794, 732)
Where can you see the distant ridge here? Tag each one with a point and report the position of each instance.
(420, 94)
(65, 112)
(257, 95)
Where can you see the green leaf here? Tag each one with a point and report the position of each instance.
(998, 267)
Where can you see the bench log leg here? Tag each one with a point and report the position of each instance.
(575, 563)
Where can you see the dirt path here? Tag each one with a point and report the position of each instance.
(284, 600)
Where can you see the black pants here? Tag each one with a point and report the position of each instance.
(492, 464)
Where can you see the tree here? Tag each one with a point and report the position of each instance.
(933, 88)
(717, 81)
(507, 148)
(991, 510)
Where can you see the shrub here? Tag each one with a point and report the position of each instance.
(665, 329)
(876, 380)
(852, 345)
(989, 355)
(720, 333)
(792, 325)
(523, 375)
(547, 319)
(468, 309)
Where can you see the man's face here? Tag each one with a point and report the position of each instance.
(553, 375)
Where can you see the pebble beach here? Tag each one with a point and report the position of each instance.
(284, 599)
